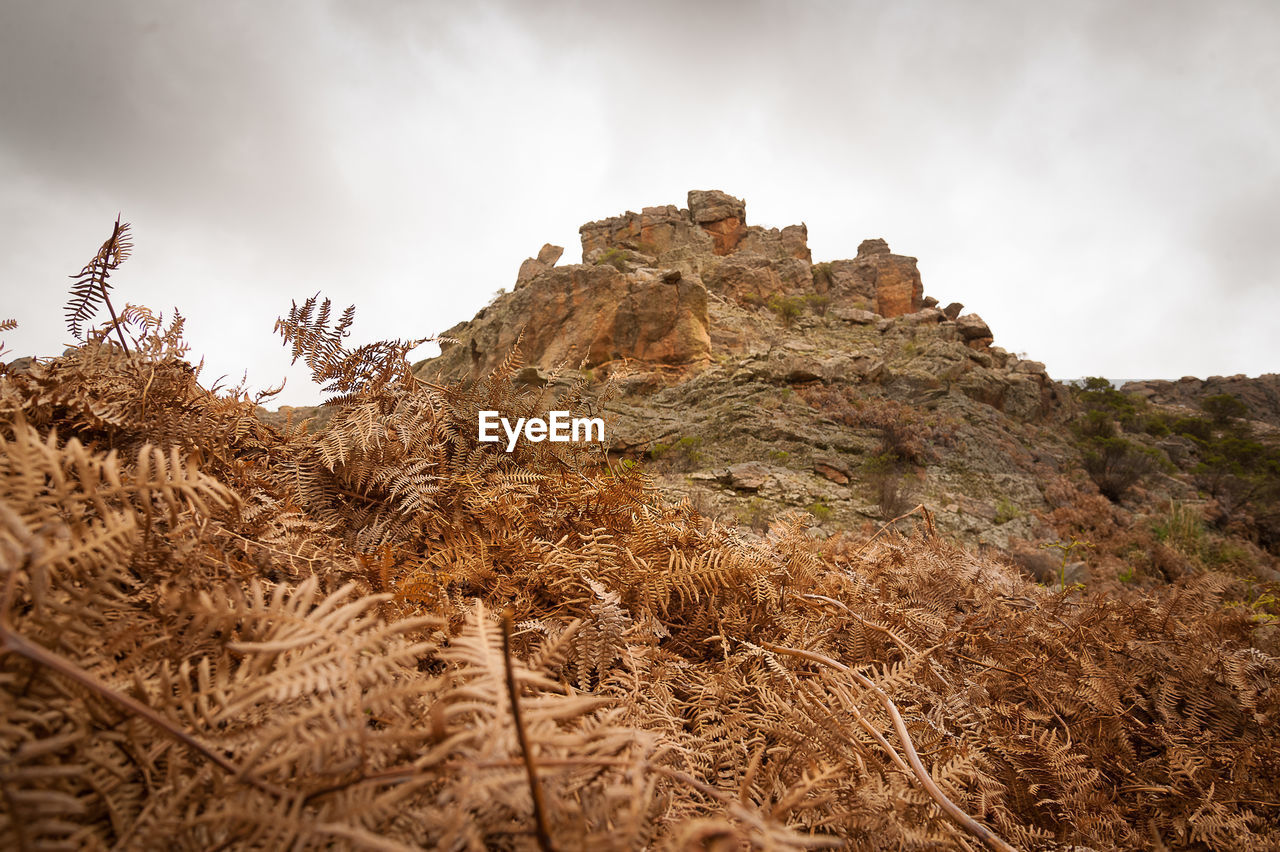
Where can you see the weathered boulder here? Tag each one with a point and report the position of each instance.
(754, 279)
(853, 315)
(898, 287)
(924, 316)
(789, 243)
(655, 231)
(720, 215)
(973, 327)
(1032, 367)
(832, 470)
(953, 310)
(535, 266)
(746, 476)
(890, 283)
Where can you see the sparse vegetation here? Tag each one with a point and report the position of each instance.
(818, 303)
(787, 308)
(683, 455)
(1006, 511)
(1115, 463)
(615, 257)
(820, 510)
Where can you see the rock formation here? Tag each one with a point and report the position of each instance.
(1261, 395)
(640, 294)
(586, 315)
(758, 382)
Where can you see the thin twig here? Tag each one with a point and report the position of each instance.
(10, 641)
(928, 520)
(535, 789)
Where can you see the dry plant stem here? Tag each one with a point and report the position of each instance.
(10, 641)
(535, 789)
(115, 235)
(732, 804)
(885, 630)
(928, 521)
(952, 810)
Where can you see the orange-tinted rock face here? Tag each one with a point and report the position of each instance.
(653, 231)
(582, 313)
(720, 215)
(726, 233)
(893, 278)
(899, 290)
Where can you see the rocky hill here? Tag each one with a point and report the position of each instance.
(1261, 394)
(754, 380)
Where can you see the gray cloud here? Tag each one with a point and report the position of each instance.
(1100, 181)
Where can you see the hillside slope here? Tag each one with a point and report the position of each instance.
(220, 634)
(754, 381)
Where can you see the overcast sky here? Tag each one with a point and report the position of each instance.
(1099, 180)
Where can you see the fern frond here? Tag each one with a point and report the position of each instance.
(91, 286)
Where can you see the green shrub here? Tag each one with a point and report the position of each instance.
(684, 454)
(1115, 465)
(788, 308)
(1097, 395)
(1006, 510)
(820, 510)
(818, 303)
(1182, 528)
(1156, 425)
(1195, 428)
(615, 257)
(1224, 408)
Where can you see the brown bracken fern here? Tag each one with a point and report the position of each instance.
(91, 285)
(217, 634)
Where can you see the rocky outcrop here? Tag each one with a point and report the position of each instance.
(876, 280)
(1260, 395)
(751, 264)
(895, 279)
(641, 292)
(584, 315)
(720, 215)
(535, 266)
(974, 330)
(659, 232)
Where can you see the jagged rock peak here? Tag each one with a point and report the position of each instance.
(641, 292)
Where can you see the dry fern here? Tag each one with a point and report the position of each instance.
(217, 634)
